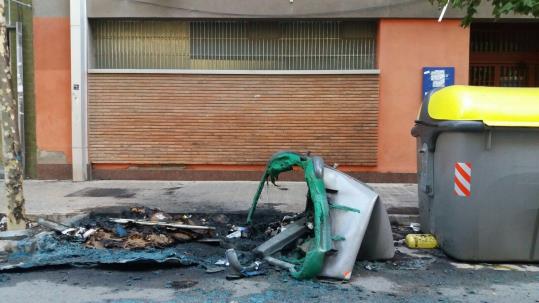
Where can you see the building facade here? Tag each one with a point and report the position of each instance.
(208, 90)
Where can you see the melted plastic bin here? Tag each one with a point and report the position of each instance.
(478, 172)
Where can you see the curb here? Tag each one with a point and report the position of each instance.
(402, 219)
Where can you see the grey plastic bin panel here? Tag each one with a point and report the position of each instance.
(425, 161)
(499, 221)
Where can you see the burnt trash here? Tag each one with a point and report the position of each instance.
(76, 233)
(15, 234)
(238, 271)
(238, 232)
(140, 211)
(160, 217)
(141, 236)
(120, 231)
(79, 232)
(144, 228)
(342, 215)
(149, 228)
(416, 227)
(140, 241)
(370, 267)
(221, 262)
(52, 225)
(3, 223)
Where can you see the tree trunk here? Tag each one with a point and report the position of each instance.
(12, 148)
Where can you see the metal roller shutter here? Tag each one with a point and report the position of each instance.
(231, 119)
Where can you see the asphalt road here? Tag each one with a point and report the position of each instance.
(413, 276)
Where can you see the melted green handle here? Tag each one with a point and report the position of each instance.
(285, 161)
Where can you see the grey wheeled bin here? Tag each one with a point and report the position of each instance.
(478, 172)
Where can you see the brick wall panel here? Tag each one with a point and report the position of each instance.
(231, 119)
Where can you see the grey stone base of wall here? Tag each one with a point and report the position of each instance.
(201, 175)
(54, 172)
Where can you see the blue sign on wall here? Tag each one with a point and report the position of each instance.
(437, 77)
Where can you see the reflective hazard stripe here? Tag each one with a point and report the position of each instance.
(463, 179)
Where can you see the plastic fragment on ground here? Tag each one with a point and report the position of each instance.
(234, 235)
(160, 217)
(237, 270)
(415, 227)
(163, 224)
(222, 262)
(120, 231)
(15, 234)
(239, 232)
(52, 225)
(293, 232)
(3, 223)
(420, 241)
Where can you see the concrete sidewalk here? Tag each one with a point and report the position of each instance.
(49, 198)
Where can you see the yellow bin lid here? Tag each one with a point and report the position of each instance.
(495, 106)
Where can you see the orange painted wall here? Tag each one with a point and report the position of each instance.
(405, 46)
(52, 84)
